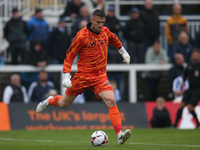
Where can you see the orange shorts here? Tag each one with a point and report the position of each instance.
(81, 83)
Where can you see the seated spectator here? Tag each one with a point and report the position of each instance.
(177, 88)
(161, 116)
(38, 28)
(82, 24)
(92, 5)
(39, 89)
(16, 32)
(15, 92)
(197, 40)
(117, 95)
(72, 9)
(177, 68)
(37, 56)
(183, 47)
(154, 55)
(173, 27)
(58, 42)
(84, 15)
(134, 33)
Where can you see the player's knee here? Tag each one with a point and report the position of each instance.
(182, 105)
(111, 101)
(190, 108)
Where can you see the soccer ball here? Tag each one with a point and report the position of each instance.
(99, 138)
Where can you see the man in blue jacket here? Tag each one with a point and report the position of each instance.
(183, 47)
(38, 27)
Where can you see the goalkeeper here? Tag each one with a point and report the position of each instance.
(92, 44)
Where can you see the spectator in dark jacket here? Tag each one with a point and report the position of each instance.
(58, 42)
(38, 27)
(84, 15)
(72, 9)
(183, 47)
(39, 89)
(16, 32)
(151, 21)
(37, 56)
(113, 56)
(161, 117)
(177, 68)
(134, 33)
(197, 40)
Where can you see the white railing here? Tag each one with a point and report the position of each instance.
(131, 69)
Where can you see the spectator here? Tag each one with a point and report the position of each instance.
(16, 32)
(92, 5)
(154, 55)
(37, 56)
(178, 90)
(58, 42)
(183, 28)
(84, 15)
(161, 117)
(113, 56)
(177, 68)
(72, 9)
(197, 40)
(39, 89)
(183, 47)
(38, 27)
(117, 95)
(113, 25)
(151, 21)
(134, 33)
(15, 92)
(173, 26)
(82, 24)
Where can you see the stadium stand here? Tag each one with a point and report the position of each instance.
(52, 9)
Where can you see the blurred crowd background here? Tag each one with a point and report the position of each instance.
(152, 31)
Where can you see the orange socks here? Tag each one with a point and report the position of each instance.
(115, 118)
(54, 101)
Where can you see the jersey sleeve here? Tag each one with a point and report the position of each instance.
(71, 53)
(113, 40)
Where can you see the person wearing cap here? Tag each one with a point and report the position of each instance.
(38, 27)
(134, 33)
(16, 32)
(113, 58)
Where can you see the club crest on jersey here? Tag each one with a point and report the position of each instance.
(93, 43)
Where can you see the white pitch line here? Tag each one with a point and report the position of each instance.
(154, 144)
(49, 141)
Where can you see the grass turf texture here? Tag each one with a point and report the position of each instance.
(141, 139)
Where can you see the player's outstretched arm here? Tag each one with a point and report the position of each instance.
(125, 55)
(67, 80)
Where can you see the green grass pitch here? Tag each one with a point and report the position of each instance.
(141, 139)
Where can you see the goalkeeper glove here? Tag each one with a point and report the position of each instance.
(125, 55)
(67, 82)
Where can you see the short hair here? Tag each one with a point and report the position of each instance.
(160, 99)
(13, 76)
(100, 13)
(196, 50)
(182, 32)
(177, 56)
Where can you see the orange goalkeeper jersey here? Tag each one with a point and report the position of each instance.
(93, 50)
